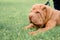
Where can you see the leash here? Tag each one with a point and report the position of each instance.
(47, 3)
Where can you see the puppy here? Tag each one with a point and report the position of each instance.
(43, 16)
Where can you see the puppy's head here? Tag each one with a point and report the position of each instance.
(37, 14)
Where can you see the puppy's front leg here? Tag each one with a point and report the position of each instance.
(50, 24)
(29, 26)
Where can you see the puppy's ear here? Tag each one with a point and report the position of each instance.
(43, 8)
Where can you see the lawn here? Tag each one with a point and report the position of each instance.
(13, 18)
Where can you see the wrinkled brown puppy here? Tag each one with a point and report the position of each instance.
(41, 15)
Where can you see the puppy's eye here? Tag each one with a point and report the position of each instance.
(37, 12)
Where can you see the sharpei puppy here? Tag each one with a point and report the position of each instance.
(44, 17)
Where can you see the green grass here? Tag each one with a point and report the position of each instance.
(13, 18)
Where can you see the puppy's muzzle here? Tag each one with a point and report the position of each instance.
(30, 16)
(34, 20)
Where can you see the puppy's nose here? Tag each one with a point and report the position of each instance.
(30, 16)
